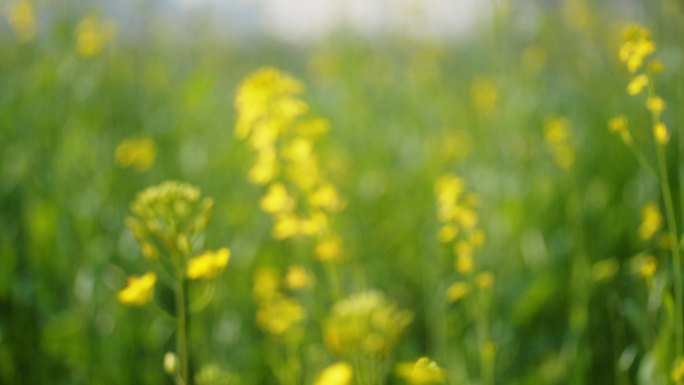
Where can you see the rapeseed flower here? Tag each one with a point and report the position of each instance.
(651, 221)
(22, 19)
(557, 135)
(619, 126)
(139, 290)
(365, 323)
(280, 315)
(297, 278)
(422, 372)
(457, 291)
(661, 133)
(655, 104)
(209, 264)
(637, 46)
(637, 84)
(677, 374)
(340, 373)
(139, 153)
(92, 35)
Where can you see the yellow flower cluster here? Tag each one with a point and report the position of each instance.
(422, 372)
(340, 373)
(272, 119)
(92, 34)
(278, 314)
(558, 137)
(209, 264)
(365, 323)
(677, 374)
(22, 19)
(651, 220)
(139, 153)
(618, 125)
(168, 216)
(457, 214)
(139, 290)
(637, 47)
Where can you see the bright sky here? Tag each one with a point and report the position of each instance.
(307, 19)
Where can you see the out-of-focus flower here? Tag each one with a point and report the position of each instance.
(557, 135)
(457, 291)
(365, 322)
(661, 133)
(637, 46)
(297, 278)
(139, 153)
(280, 315)
(651, 220)
(422, 372)
(637, 84)
(484, 280)
(139, 290)
(619, 126)
(209, 264)
(22, 18)
(92, 34)
(340, 373)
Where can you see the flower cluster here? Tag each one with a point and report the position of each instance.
(636, 49)
(422, 372)
(297, 194)
(651, 220)
(457, 214)
(277, 313)
(558, 137)
(166, 220)
(365, 323)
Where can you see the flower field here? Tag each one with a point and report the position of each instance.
(181, 207)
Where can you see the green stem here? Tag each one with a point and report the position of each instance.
(674, 246)
(181, 294)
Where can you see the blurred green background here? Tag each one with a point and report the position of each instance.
(76, 82)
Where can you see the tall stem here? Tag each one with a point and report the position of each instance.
(674, 246)
(182, 345)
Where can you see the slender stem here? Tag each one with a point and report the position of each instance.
(182, 331)
(674, 246)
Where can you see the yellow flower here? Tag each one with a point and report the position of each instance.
(464, 257)
(651, 220)
(422, 372)
(619, 126)
(457, 291)
(326, 198)
(92, 35)
(277, 199)
(139, 290)
(655, 104)
(637, 84)
(447, 233)
(336, 374)
(648, 266)
(138, 153)
(265, 168)
(329, 248)
(636, 47)
(23, 20)
(557, 135)
(266, 284)
(209, 264)
(297, 278)
(280, 315)
(661, 134)
(286, 226)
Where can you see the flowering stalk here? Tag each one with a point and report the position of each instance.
(166, 219)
